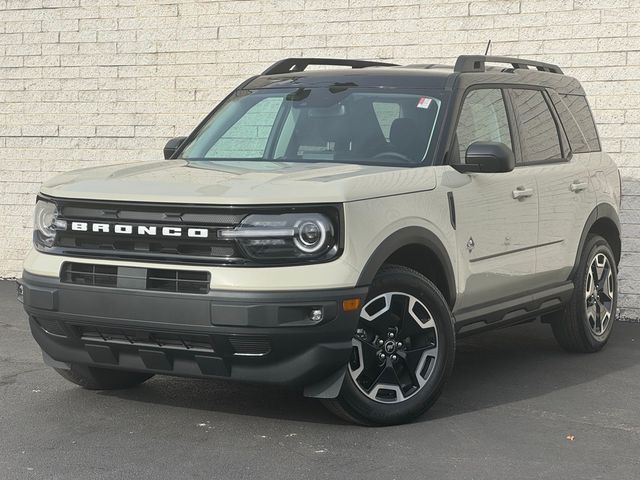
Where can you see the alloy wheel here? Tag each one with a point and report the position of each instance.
(395, 348)
(599, 294)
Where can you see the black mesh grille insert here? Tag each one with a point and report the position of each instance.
(246, 345)
(87, 274)
(177, 281)
(163, 280)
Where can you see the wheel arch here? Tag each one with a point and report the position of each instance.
(419, 249)
(604, 221)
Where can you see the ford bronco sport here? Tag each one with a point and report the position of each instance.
(335, 230)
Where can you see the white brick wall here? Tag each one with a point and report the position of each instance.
(88, 82)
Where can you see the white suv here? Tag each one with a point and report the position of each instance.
(335, 230)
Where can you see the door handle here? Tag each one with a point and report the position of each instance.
(577, 186)
(522, 192)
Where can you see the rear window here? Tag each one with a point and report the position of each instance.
(576, 117)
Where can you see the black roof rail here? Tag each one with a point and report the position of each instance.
(475, 63)
(300, 64)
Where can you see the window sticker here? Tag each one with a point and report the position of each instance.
(424, 102)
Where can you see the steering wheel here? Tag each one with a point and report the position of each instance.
(393, 156)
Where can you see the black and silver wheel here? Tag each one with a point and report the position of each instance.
(599, 294)
(589, 317)
(402, 352)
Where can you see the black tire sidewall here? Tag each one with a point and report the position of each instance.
(368, 411)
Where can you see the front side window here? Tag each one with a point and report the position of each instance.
(483, 118)
(335, 124)
(538, 130)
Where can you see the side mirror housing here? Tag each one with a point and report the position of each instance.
(171, 146)
(487, 157)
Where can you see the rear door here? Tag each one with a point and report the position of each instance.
(565, 195)
(496, 213)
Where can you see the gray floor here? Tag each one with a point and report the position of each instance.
(512, 403)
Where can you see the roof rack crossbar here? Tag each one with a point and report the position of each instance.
(476, 63)
(289, 65)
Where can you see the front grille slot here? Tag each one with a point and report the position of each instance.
(162, 280)
(182, 281)
(250, 346)
(87, 274)
(144, 338)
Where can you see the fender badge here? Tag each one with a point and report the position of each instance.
(471, 244)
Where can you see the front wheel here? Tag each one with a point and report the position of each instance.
(403, 351)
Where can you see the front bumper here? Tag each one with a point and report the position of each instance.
(264, 337)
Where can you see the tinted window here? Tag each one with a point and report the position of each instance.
(538, 131)
(335, 124)
(576, 139)
(247, 138)
(483, 119)
(578, 108)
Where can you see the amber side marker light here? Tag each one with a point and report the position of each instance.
(350, 304)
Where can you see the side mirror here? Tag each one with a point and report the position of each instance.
(487, 157)
(171, 146)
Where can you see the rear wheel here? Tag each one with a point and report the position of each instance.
(403, 351)
(93, 378)
(588, 319)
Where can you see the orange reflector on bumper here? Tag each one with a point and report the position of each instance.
(350, 304)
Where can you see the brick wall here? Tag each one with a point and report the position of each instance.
(88, 82)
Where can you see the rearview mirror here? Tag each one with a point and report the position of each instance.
(171, 146)
(487, 157)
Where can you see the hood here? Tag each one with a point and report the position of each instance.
(238, 183)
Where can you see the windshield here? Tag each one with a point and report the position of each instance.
(322, 124)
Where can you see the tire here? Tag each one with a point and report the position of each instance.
(587, 321)
(92, 378)
(407, 319)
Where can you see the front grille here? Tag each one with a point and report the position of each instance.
(163, 280)
(143, 245)
(144, 338)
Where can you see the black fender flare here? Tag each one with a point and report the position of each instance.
(402, 238)
(602, 210)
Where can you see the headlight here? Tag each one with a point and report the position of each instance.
(289, 236)
(46, 224)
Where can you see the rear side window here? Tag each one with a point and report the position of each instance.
(576, 117)
(483, 118)
(538, 131)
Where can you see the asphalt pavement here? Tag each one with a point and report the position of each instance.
(516, 407)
